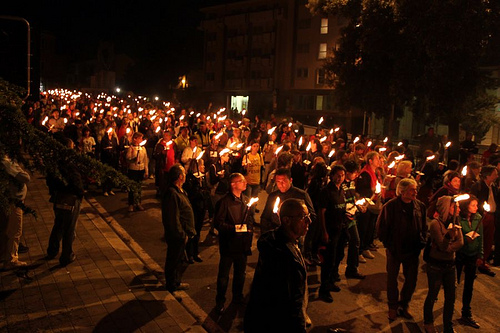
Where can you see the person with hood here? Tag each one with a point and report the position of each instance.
(445, 240)
(451, 186)
(278, 296)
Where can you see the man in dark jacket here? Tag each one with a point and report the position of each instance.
(283, 179)
(178, 221)
(234, 223)
(402, 227)
(278, 298)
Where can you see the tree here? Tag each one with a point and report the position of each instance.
(423, 54)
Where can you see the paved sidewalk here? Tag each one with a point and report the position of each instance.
(107, 288)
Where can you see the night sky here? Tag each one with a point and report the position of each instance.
(162, 37)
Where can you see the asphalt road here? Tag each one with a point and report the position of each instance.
(359, 307)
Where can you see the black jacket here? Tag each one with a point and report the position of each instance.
(177, 215)
(230, 211)
(278, 288)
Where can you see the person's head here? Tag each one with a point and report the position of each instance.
(453, 165)
(373, 159)
(351, 170)
(167, 136)
(407, 189)
(177, 174)
(294, 218)
(452, 178)
(237, 132)
(238, 183)
(315, 144)
(489, 173)
(285, 160)
(468, 207)
(283, 179)
(359, 148)
(137, 138)
(319, 171)
(493, 148)
(430, 131)
(337, 175)
(445, 207)
(473, 168)
(255, 147)
(184, 131)
(297, 156)
(203, 126)
(193, 141)
(404, 168)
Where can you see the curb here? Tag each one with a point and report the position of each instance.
(201, 317)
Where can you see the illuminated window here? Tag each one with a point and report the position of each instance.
(322, 51)
(324, 26)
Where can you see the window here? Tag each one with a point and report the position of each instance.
(320, 76)
(302, 72)
(319, 102)
(322, 51)
(303, 48)
(324, 26)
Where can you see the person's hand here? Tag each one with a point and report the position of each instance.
(452, 232)
(479, 262)
(146, 176)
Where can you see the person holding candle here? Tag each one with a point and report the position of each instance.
(253, 164)
(451, 187)
(486, 190)
(234, 224)
(402, 227)
(137, 159)
(470, 254)
(446, 239)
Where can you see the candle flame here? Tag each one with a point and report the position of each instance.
(448, 144)
(143, 143)
(157, 129)
(356, 139)
(392, 165)
(331, 153)
(378, 188)
(369, 143)
(308, 146)
(252, 201)
(239, 145)
(278, 150)
(110, 130)
(331, 131)
(382, 149)
(462, 197)
(464, 171)
(270, 131)
(248, 148)
(337, 129)
(65, 120)
(290, 124)
(386, 139)
(486, 207)
(360, 202)
(320, 120)
(276, 205)
(400, 143)
(429, 158)
(128, 130)
(200, 155)
(224, 151)
(323, 139)
(400, 157)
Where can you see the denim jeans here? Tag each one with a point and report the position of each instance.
(437, 275)
(468, 265)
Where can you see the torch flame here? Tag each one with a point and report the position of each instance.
(462, 197)
(322, 139)
(320, 120)
(157, 129)
(448, 144)
(331, 131)
(276, 205)
(360, 202)
(392, 165)
(143, 143)
(308, 146)
(337, 129)
(400, 157)
(356, 139)
(290, 124)
(270, 131)
(486, 207)
(429, 158)
(300, 141)
(369, 143)
(331, 153)
(382, 149)
(110, 130)
(278, 150)
(224, 151)
(252, 201)
(464, 171)
(378, 188)
(386, 139)
(128, 130)
(400, 144)
(200, 155)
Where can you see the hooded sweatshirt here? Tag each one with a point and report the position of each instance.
(444, 248)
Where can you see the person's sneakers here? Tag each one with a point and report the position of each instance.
(8, 265)
(197, 258)
(131, 208)
(179, 287)
(469, 321)
(106, 194)
(368, 255)
(403, 312)
(392, 314)
(22, 248)
(111, 193)
(139, 207)
(362, 259)
(356, 275)
(486, 270)
(325, 296)
(66, 262)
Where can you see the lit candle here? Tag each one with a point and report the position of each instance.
(320, 120)
(278, 150)
(356, 139)
(276, 205)
(448, 144)
(331, 153)
(464, 171)
(378, 188)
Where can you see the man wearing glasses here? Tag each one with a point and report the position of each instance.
(234, 224)
(278, 298)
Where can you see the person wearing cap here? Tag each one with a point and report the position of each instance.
(445, 242)
(278, 296)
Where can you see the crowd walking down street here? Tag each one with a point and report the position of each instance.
(321, 231)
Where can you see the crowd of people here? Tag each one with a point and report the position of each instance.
(342, 192)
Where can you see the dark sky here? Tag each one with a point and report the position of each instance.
(162, 37)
